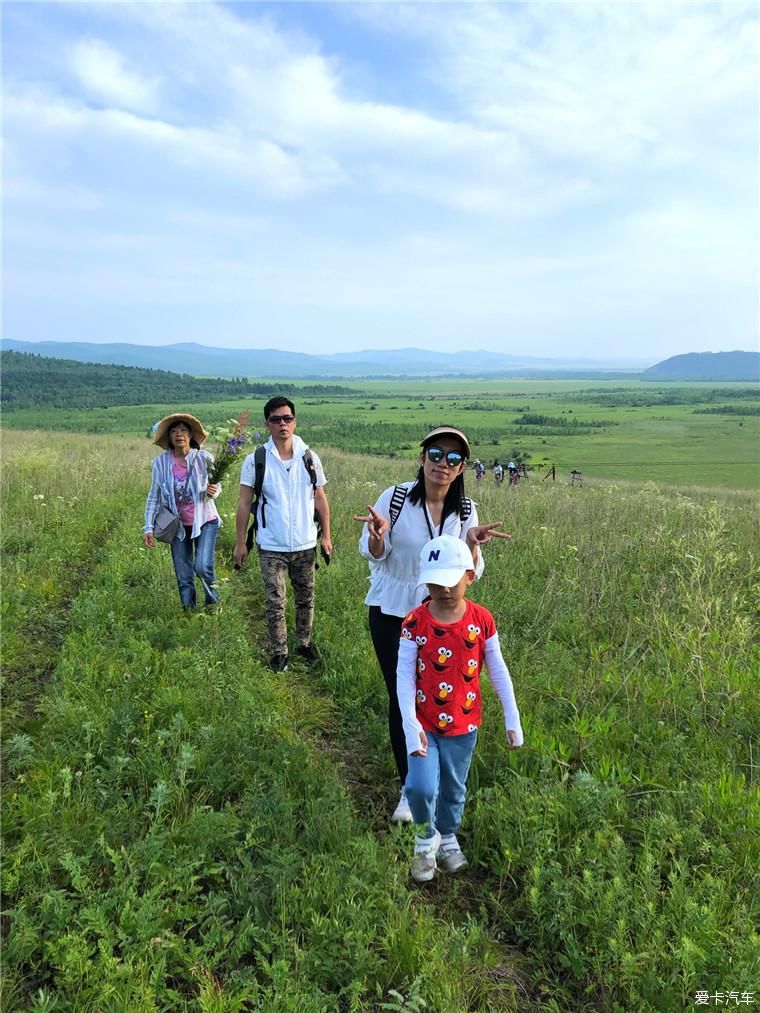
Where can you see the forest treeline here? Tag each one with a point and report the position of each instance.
(31, 381)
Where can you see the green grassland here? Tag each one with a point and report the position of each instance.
(183, 830)
(691, 434)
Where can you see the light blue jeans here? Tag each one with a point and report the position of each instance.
(194, 557)
(436, 785)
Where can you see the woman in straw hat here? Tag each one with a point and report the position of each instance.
(180, 483)
(404, 518)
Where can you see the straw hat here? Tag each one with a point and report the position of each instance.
(439, 431)
(161, 431)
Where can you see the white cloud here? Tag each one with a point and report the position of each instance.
(107, 77)
(539, 172)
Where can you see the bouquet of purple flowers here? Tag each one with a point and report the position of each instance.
(231, 440)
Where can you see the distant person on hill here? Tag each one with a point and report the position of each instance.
(498, 472)
(480, 470)
(402, 520)
(180, 483)
(444, 643)
(292, 493)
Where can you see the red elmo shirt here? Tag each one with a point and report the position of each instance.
(449, 660)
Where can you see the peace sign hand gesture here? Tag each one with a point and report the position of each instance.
(377, 525)
(482, 533)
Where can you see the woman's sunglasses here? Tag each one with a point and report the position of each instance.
(436, 455)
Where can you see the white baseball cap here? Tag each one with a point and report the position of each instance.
(444, 560)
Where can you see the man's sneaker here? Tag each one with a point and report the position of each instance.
(450, 854)
(423, 863)
(402, 813)
(279, 662)
(309, 653)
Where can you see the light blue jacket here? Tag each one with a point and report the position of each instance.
(162, 491)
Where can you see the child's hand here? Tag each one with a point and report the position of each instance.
(512, 739)
(422, 751)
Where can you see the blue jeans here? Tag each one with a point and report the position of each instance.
(436, 785)
(194, 557)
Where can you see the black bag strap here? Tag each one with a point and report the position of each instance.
(397, 502)
(259, 468)
(308, 463)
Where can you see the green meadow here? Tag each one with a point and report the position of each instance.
(184, 830)
(689, 434)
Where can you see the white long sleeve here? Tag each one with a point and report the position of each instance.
(406, 688)
(500, 679)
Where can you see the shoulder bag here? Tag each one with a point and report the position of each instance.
(166, 525)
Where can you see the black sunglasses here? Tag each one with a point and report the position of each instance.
(281, 418)
(436, 454)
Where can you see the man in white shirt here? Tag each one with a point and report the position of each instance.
(292, 494)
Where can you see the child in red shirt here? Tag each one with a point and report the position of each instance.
(444, 643)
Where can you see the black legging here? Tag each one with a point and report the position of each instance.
(385, 631)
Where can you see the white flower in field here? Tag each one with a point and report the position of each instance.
(38, 496)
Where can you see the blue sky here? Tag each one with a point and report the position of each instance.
(551, 179)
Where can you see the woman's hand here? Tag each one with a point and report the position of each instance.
(212, 489)
(377, 527)
(482, 533)
(150, 541)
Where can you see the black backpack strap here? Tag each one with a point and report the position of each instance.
(259, 468)
(308, 463)
(397, 502)
(466, 509)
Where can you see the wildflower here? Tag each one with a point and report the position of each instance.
(231, 440)
(38, 496)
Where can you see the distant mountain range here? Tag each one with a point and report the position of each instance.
(203, 361)
(707, 366)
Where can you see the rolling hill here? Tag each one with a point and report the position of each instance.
(708, 367)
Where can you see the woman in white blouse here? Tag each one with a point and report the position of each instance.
(402, 520)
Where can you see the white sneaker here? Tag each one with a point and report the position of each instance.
(423, 863)
(450, 854)
(402, 813)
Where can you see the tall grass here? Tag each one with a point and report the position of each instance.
(185, 830)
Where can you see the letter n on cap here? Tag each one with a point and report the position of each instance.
(434, 554)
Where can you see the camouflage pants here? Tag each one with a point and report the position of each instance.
(299, 567)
